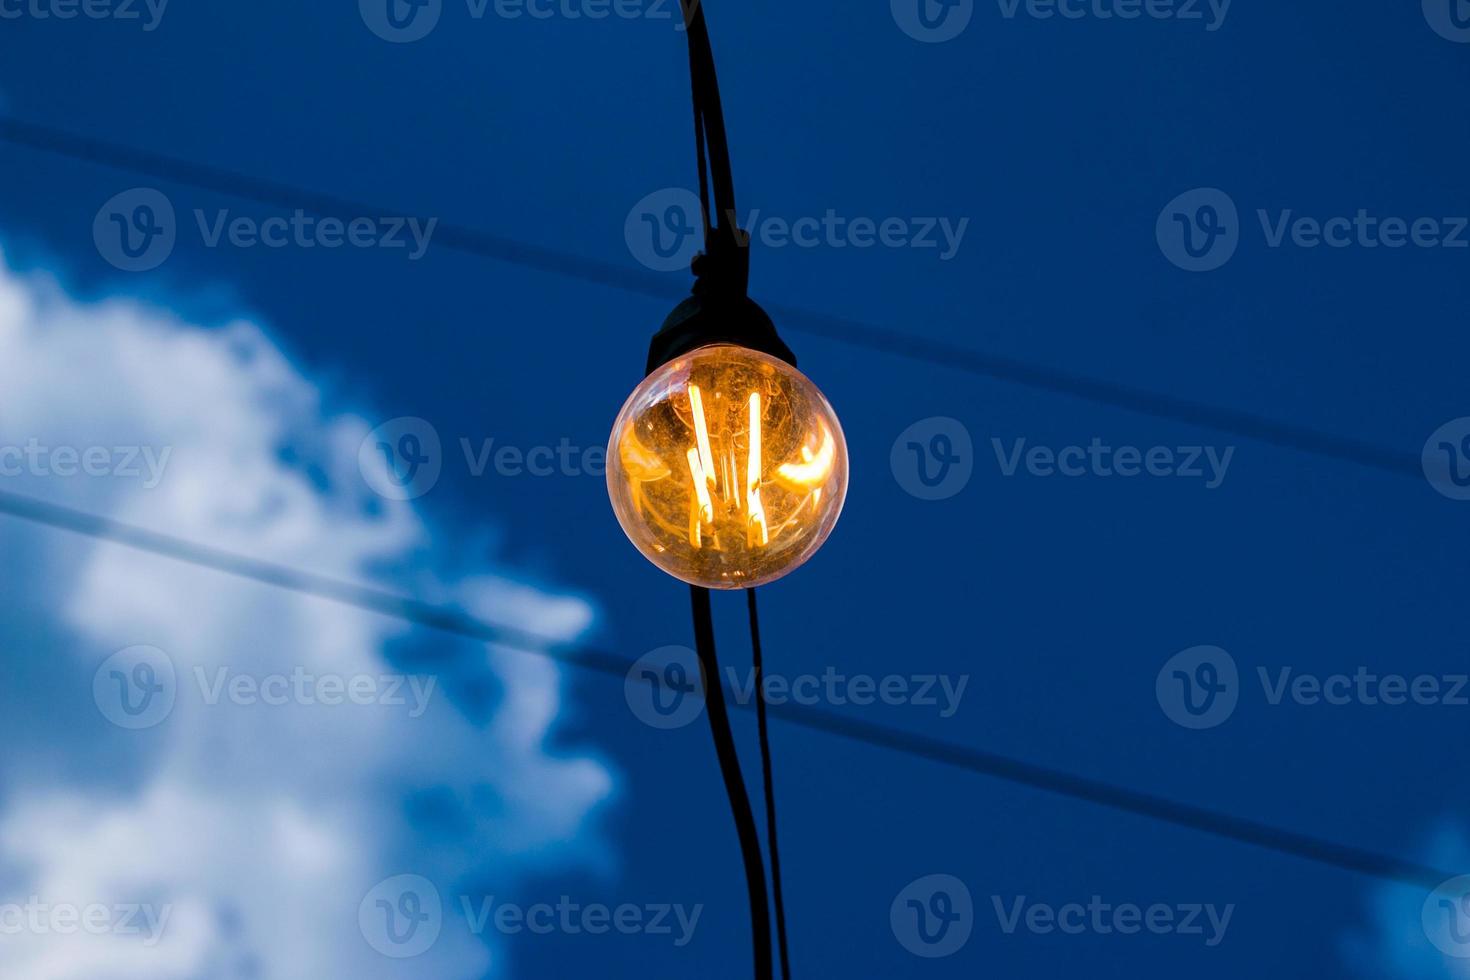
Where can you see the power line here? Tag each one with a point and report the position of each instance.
(839, 329)
(991, 764)
(768, 779)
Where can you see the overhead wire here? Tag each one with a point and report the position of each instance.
(914, 745)
(838, 329)
(768, 779)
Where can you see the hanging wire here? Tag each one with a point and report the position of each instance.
(842, 330)
(767, 780)
(997, 766)
(726, 259)
(724, 266)
(745, 826)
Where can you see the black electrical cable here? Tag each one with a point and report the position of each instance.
(745, 826)
(727, 257)
(724, 269)
(842, 330)
(768, 780)
(704, 208)
(456, 623)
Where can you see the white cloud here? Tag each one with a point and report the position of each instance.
(1396, 943)
(259, 828)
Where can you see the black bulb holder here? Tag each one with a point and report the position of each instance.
(717, 312)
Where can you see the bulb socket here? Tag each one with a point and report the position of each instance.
(714, 318)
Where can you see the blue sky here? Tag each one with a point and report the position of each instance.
(1063, 147)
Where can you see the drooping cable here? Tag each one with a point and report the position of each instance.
(505, 636)
(726, 255)
(1397, 461)
(724, 267)
(704, 208)
(768, 781)
(745, 826)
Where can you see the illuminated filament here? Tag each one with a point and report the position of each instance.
(701, 508)
(813, 470)
(756, 532)
(701, 436)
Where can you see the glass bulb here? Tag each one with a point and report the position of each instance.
(727, 468)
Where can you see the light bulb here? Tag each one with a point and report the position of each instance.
(727, 468)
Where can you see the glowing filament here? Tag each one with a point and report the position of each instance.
(701, 509)
(642, 464)
(701, 435)
(757, 531)
(726, 467)
(813, 471)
